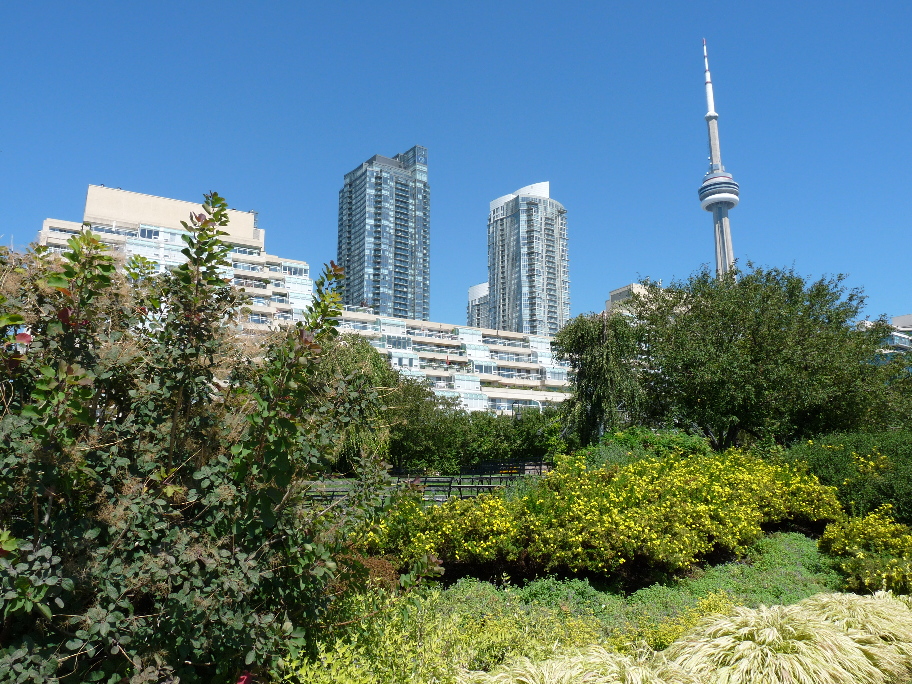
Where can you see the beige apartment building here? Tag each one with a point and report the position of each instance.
(134, 223)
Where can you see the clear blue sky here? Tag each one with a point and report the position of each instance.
(272, 103)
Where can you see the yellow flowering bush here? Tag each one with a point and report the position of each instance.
(663, 513)
(666, 512)
(478, 530)
(874, 551)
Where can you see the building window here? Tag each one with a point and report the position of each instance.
(149, 233)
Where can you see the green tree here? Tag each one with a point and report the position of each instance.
(426, 429)
(607, 391)
(155, 471)
(761, 353)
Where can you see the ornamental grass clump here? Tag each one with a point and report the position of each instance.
(881, 615)
(594, 665)
(880, 624)
(771, 645)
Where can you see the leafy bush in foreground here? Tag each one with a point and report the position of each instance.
(436, 634)
(659, 514)
(154, 516)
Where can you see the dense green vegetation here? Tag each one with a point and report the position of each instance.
(652, 517)
(154, 468)
(868, 469)
(758, 355)
(735, 452)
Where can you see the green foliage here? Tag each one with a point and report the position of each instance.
(780, 568)
(426, 430)
(154, 470)
(873, 552)
(607, 391)
(829, 638)
(635, 443)
(654, 515)
(761, 355)
(434, 434)
(868, 469)
(433, 635)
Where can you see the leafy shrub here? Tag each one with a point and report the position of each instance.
(874, 551)
(154, 468)
(433, 635)
(635, 443)
(434, 434)
(662, 514)
(868, 470)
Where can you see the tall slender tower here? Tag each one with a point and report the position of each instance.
(384, 235)
(528, 262)
(719, 191)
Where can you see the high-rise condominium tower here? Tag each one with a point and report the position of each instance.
(719, 191)
(384, 235)
(528, 264)
(478, 311)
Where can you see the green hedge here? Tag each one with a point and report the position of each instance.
(868, 470)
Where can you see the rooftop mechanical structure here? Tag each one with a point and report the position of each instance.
(719, 192)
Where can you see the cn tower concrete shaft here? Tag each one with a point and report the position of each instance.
(719, 192)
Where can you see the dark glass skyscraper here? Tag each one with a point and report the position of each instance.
(384, 235)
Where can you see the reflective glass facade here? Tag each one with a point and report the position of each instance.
(528, 262)
(384, 235)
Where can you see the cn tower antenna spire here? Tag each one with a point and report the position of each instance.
(719, 192)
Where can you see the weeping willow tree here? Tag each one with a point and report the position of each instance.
(603, 351)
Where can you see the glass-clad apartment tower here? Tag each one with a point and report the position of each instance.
(384, 235)
(528, 264)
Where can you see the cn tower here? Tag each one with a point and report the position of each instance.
(719, 191)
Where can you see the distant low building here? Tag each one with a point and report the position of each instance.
(901, 339)
(617, 297)
(903, 323)
(488, 370)
(133, 223)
